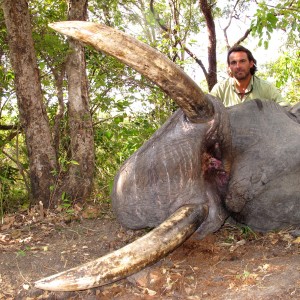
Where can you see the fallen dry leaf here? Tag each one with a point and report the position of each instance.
(149, 292)
(297, 240)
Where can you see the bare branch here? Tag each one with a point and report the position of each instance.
(197, 60)
(157, 18)
(9, 127)
(246, 34)
(229, 23)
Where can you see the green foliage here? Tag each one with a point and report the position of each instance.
(8, 177)
(270, 18)
(116, 139)
(51, 47)
(107, 12)
(66, 204)
(6, 76)
(126, 108)
(287, 73)
(22, 252)
(12, 191)
(282, 15)
(247, 233)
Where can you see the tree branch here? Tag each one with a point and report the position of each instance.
(246, 34)
(229, 23)
(9, 127)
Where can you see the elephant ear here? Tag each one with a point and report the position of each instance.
(145, 60)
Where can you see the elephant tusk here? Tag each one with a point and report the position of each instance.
(147, 61)
(133, 257)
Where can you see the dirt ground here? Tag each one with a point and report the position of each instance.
(233, 263)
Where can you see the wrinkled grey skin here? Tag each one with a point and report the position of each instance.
(242, 162)
(264, 186)
(168, 171)
(264, 189)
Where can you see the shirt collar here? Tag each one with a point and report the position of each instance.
(249, 87)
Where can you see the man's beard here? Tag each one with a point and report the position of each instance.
(240, 75)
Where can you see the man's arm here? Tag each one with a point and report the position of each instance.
(216, 91)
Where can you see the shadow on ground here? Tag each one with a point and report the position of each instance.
(233, 263)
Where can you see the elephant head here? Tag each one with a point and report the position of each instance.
(204, 164)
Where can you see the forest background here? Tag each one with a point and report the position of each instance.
(69, 116)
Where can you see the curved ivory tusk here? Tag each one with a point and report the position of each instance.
(133, 257)
(147, 61)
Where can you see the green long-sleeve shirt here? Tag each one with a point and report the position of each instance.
(257, 89)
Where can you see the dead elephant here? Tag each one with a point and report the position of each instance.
(205, 164)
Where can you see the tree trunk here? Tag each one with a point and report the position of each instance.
(33, 117)
(211, 77)
(80, 177)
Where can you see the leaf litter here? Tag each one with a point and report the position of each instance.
(232, 263)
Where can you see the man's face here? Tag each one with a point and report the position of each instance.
(239, 65)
